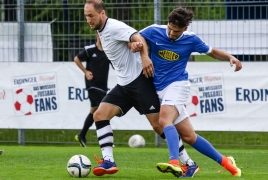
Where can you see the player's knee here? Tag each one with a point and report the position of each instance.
(105, 114)
(97, 116)
(189, 138)
(163, 122)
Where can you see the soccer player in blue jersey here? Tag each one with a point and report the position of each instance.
(170, 48)
(133, 89)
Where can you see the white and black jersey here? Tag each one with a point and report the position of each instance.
(114, 37)
(133, 88)
(98, 63)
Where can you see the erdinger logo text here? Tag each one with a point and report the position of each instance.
(25, 80)
(168, 55)
(251, 95)
(196, 80)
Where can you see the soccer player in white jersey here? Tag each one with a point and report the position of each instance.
(135, 86)
(170, 48)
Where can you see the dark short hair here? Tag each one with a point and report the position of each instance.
(98, 5)
(181, 17)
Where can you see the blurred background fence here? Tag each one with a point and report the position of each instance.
(69, 31)
(56, 30)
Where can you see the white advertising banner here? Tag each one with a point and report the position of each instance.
(53, 96)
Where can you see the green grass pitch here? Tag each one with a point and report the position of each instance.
(49, 162)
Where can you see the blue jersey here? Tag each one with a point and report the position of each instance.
(170, 57)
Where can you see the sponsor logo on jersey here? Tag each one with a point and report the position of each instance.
(168, 55)
(94, 55)
(158, 44)
(167, 100)
(107, 38)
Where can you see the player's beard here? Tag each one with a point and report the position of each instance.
(98, 26)
(173, 38)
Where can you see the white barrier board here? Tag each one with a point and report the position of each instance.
(52, 96)
(38, 45)
(234, 36)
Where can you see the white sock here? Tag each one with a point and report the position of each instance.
(107, 150)
(107, 153)
(183, 156)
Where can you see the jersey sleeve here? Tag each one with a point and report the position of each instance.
(123, 32)
(83, 55)
(146, 32)
(200, 46)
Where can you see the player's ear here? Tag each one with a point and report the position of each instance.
(103, 13)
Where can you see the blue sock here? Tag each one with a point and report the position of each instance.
(172, 139)
(204, 147)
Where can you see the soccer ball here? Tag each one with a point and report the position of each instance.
(23, 101)
(192, 103)
(136, 141)
(79, 166)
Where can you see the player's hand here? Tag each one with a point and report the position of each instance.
(147, 66)
(136, 46)
(238, 64)
(89, 75)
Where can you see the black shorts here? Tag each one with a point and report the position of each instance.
(140, 94)
(95, 97)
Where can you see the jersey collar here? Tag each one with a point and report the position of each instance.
(104, 25)
(176, 39)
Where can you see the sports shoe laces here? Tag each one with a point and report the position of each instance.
(99, 161)
(190, 170)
